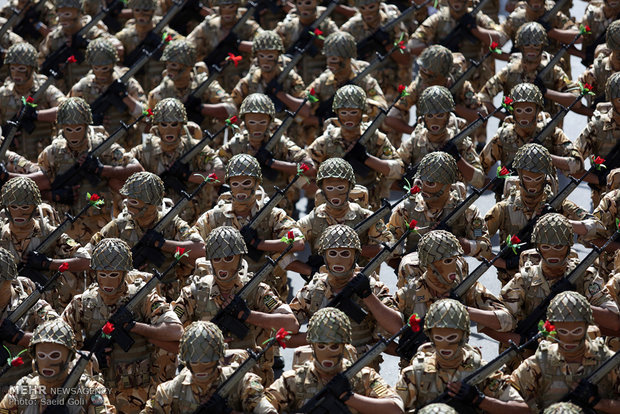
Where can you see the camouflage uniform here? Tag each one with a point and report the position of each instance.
(594, 17)
(18, 164)
(28, 144)
(607, 212)
(47, 16)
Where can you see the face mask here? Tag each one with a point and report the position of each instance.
(449, 271)
(340, 262)
(75, 136)
(525, 115)
(336, 192)
(554, 256)
(349, 118)
(267, 60)
(243, 190)
(110, 282)
(225, 270)
(328, 357)
(436, 123)
(20, 74)
(21, 215)
(51, 361)
(204, 372)
(447, 342)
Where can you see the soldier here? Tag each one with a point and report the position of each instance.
(599, 18)
(202, 348)
(70, 20)
(144, 192)
(128, 375)
(528, 200)
(600, 137)
(214, 33)
(215, 105)
(279, 163)
(377, 158)
(329, 331)
(35, 23)
(208, 295)
(437, 198)
(553, 237)
(563, 408)
(524, 125)
(438, 66)
(558, 365)
(437, 125)
(436, 408)
(295, 26)
(340, 247)
(336, 179)
(23, 81)
(53, 348)
(237, 207)
(171, 137)
(16, 336)
(72, 145)
(480, 31)
(373, 14)
(555, 86)
(442, 364)
(27, 227)
(607, 213)
(104, 74)
(441, 255)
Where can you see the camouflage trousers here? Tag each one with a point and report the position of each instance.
(130, 400)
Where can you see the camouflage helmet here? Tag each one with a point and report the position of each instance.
(438, 245)
(553, 229)
(20, 191)
(142, 4)
(329, 326)
(22, 54)
(169, 110)
(437, 408)
(531, 34)
(339, 236)
(8, 267)
(53, 331)
(341, 44)
(570, 306)
(243, 165)
(74, 111)
(257, 103)
(438, 167)
(435, 100)
(612, 87)
(101, 51)
(349, 96)
(203, 342)
(70, 4)
(563, 408)
(534, 158)
(267, 40)
(224, 241)
(437, 58)
(612, 36)
(527, 92)
(335, 168)
(359, 3)
(179, 51)
(447, 313)
(144, 186)
(112, 254)
(222, 2)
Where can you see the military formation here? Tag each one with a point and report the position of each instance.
(169, 167)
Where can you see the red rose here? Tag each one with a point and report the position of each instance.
(588, 29)
(16, 362)
(212, 176)
(94, 197)
(63, 267)
(281, 337)
(318, 32)
(401, 88)
(304, 167)
(504, 171)
(108, 328)
(168, 39)
(235, 59)
(71, 59)
(414, 322)
(413, 223)
(401, 44)
(312, 92)
(515, 240)
(588, 86)
(234, 119)
(290, 235)
(494, 45)
(415, 190)
(548, 327)
(30, 99)
(149, 111)
(508, 100)
(180, 251)
(599, 160)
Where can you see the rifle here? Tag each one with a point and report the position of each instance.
(21, 21)
(76, 173)
(111, 19)
(194, 100)
(327, 401)
(452, 40)
(143, 252)
(550, 14)
(24, 270)
(589, 58)
(475, 64)
(528, 325)
(305, 42)
(227, 318)
(189, 13)
(590, 382)
(152, 43)
(380, 38)
(249, 231)
(554, 61)
(78, 42)
(217, 403)
(343, 299)
(21, 310)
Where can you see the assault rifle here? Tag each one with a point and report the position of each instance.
(250, 230)
(152, 44)
(463, 25)
(550, 14)
(556, 59)
(78, 171)
(600, 39)
(22, 21)
(228, 318)
(217, 403)
(193, 103)
(305, 42)
(475, 64)
(328, 401)
(144, 251)
(78, 42)
(589, 384)
(343, 299)
(380, 38)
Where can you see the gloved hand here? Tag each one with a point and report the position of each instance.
(469, 394)
(361, 285)
(443, 226)
(315, 261)
(358, 152)
(451, 148)
(38, 261)
(64, 195)
(215, 404)
(118, 88)
(249, 235)
(193, 105)
(56, 409)
(468, 21)
(273, 87)
(512, 262)
(230, 42)
(10, 332)
(123, 318)
(4, 174)
(239, 306)
(545, 24)
(541, 85)
(153, 238)
(585, 394)
(340, 385)
(264, 157)
(93, 165)
(30, 114)
(180, 170)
